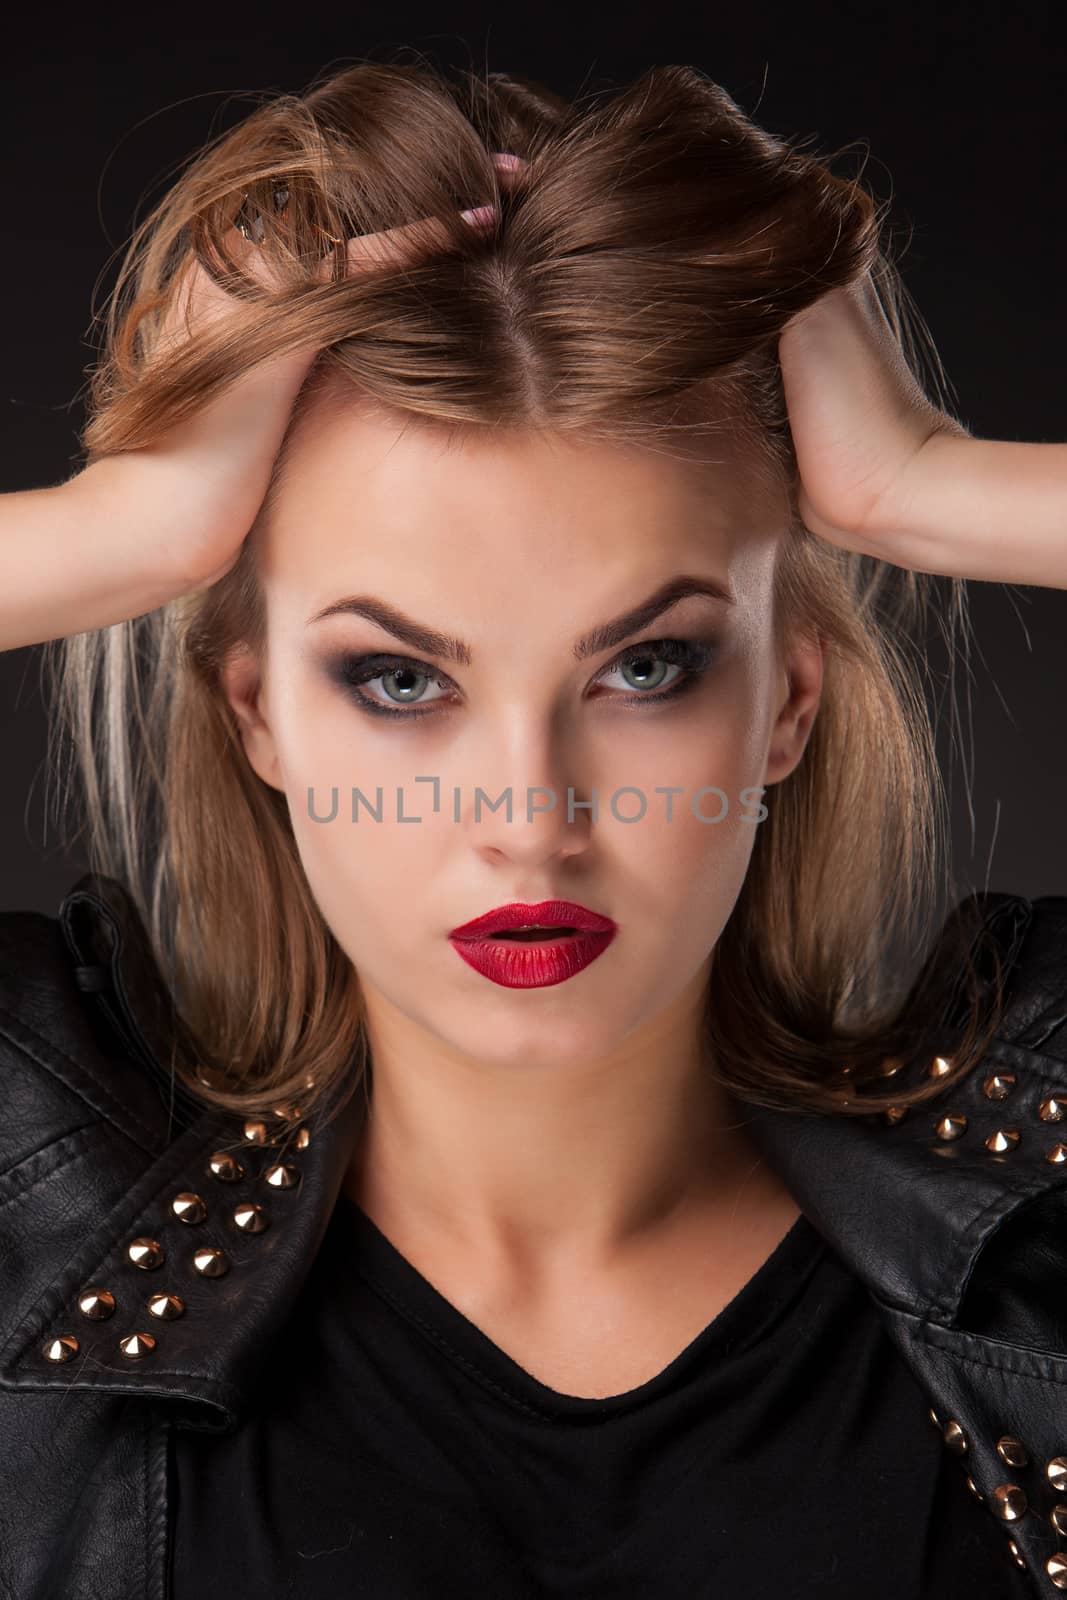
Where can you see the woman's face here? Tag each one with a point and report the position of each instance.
(509, 551)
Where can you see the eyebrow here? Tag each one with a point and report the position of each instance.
(448, 648)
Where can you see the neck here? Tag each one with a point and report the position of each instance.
(554, 1167)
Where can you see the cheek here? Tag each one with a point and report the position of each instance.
(357, 866)
(692, 866)
(691, 848)
(369, 878)
(698, 758)
(326, 744)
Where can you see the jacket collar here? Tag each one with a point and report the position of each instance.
(206, 1357)
(909, 1205)
(908, 1211)
(910, 1208)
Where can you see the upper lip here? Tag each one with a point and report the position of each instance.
(545, 914)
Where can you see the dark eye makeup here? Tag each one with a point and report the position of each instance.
(692, 656)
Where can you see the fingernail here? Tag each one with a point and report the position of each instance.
(479, 214)
(508, 161)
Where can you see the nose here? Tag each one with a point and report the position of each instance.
(529, 824)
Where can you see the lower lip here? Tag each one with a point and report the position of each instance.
(532, 963)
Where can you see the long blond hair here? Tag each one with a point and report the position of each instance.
(632, 290)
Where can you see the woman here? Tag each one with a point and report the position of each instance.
(610, 474)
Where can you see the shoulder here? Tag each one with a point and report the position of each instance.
(44, 1040)
(1043, 950)
(63, 1065)
(1030, 935)
(1017, 944)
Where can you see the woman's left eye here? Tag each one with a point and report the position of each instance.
(649, 663)
(646, 665)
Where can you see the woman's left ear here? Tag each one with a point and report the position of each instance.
(242, 684)
(802, 677)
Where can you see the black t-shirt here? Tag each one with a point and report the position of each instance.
(394, 1452)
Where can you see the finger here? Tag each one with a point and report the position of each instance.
(388, 247)
(392, 244)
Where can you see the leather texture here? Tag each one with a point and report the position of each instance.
(963, 1249)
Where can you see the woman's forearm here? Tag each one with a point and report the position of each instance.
(84, 554)
(887, 472)
(988, 508)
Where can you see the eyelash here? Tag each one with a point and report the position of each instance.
(692, 655)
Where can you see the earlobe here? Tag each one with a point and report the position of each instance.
(241, 680)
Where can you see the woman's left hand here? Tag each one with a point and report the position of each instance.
(885, 471)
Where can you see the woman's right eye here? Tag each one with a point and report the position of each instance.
(402, 681)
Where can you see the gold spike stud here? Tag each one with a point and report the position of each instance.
(188, 1207)
(60, 1349)
(891, 1066)
(225, 1167)
(939, 1067)
(1009, 1502)
(96, 1304)
(135, 1345)
(1053, 1108)
(1012, 1451)
(934, 1418)
(973, 1487)
(955, 1437)
(145, 1253)
(211, 1263)
(998, 1085)
(283, 1175)
(251, 1218)
(951, 1127)
(1058, 1518)
(1056, 1567)
(1016, 1554)
(1057, 1155)
(894, 1114)
(1056, 1473)
(256, 1132)
(165, 1306)
(303, 1138)
(288, 1110)
(1003, 1139)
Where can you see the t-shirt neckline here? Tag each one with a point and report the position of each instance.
(745, 1319)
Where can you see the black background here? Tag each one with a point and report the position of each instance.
(959, 110)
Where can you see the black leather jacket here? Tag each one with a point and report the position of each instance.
(126, 1310)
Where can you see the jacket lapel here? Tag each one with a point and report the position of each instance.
(200, 1249)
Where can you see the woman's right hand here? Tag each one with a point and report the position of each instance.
(211, 471)
(140, 527)
(135, 529)
(219, 462)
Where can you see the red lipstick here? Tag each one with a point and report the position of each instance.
(517, 947)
